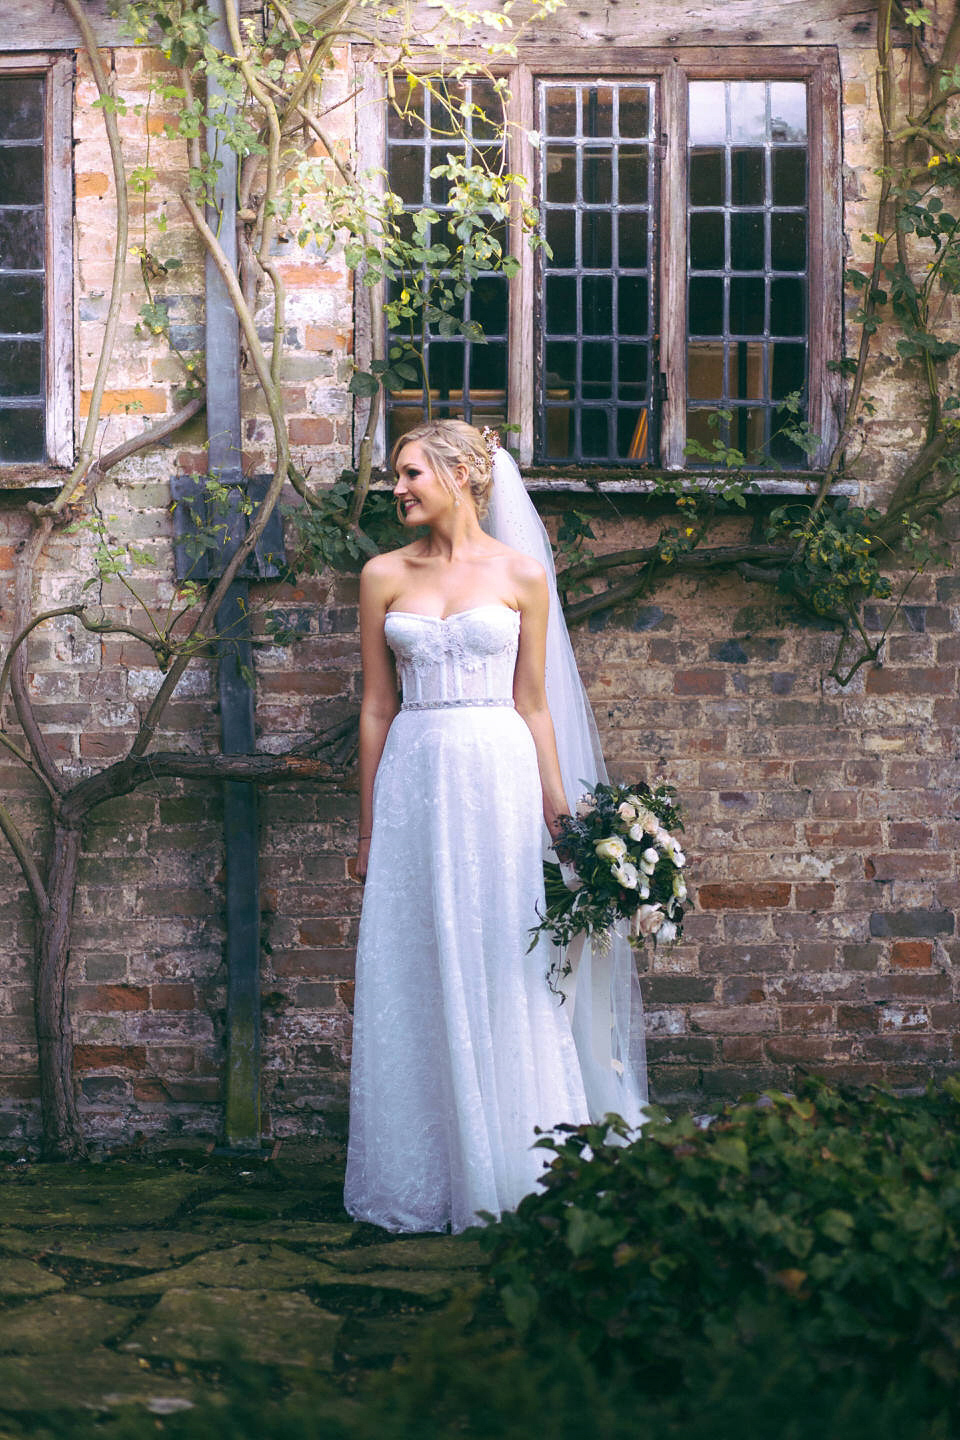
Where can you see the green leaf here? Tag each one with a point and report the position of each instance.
(363, 384)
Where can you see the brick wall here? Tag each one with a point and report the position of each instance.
(822, 822)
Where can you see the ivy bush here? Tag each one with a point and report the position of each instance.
(813, 1237)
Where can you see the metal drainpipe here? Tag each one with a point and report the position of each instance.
(240, 819)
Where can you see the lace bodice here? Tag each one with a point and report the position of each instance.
(470, 655)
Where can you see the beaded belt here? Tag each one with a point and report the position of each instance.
(454, 704)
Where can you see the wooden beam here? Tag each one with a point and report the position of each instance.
(46, 25)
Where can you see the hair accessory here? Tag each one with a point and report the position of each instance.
(492, 441)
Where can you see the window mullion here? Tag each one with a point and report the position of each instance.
(673, 268)
(520, 341)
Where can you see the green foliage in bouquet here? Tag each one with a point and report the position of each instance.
(629, 864)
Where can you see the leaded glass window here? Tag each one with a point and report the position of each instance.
(689, 279)
(748, 262)
(22, 297)
(595, 316)
(465, 379)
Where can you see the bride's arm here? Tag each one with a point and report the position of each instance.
(380, 703)
(529, 688)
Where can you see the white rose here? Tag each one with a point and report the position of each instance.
(666, 933)
(612, 848)
(626, 812)
(644, 889)
(636, 831)
(626, 875)
(648, 918)
(585, 806)
(650, 822)
(679, 859)
(664, 839)
(651, 856)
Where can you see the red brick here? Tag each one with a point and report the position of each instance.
(799, 1049)
(910, 835)
(699, 682)
(172, 997)
(814, 896)
(142, 401)
(320, 930)
(106, 999)
(742, 1049)
(865, 835)
(805, 1018)
(104, 747)
(311, 430)
(91, 183)
(915, 682)
(743, 897)
(324, 338)
(911, 954)
(150, 1092)
(19, 1087)
(101, 1057)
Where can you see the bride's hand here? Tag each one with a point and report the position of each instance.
(363, 854)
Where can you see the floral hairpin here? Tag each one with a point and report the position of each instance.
(492, 441)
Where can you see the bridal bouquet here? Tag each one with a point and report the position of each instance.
(628, 865)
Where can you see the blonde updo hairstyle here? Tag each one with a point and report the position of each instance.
(447, 444)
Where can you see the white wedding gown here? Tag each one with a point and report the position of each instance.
(459, 1049)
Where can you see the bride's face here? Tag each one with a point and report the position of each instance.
(421, 495)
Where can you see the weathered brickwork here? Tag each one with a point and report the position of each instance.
(823, 822)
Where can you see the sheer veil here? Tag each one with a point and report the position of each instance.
(603, 993)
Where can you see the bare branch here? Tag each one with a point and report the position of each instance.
(25, 860)
(336, 749)
(85, 457)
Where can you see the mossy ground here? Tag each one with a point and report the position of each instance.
(124, 1282)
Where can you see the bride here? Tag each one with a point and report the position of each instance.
(460, 1048)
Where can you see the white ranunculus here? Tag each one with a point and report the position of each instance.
(650, 855)
(666, 933)
(612, 848)
(679, 859)
(648, 918)
(644, 889)
(626, 875)
(627, 812)
(664, 839)
(646, 868)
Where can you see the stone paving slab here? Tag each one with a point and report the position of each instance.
(121, 1281)
(69, 1201)
(129, 1249)
(24, 1277)
(436, 1252)
(239, 1267)
(60, 1324)
(99, 1380)
(279, 1329)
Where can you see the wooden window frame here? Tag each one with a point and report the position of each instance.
(57, 70)
(672, 70)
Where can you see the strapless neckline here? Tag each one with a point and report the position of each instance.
(456, 615)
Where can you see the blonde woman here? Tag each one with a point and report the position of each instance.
(460, 1047)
